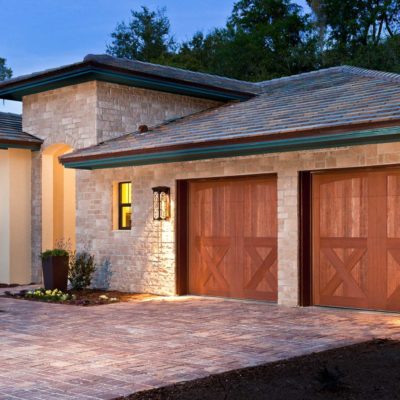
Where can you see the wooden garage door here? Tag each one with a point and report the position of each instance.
(356, 239)
(233, 238)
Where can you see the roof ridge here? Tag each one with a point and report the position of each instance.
(296, 77)
(10, 113)
(349, 69)
(372, 73)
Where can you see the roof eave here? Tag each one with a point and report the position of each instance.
(6, 144)
(379, 135)
(89, 71)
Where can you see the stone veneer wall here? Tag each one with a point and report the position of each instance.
(121, 109)
(84, 114)
(143, 259)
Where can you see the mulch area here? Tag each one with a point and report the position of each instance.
(366, 371)
(89, 297)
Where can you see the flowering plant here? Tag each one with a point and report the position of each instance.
(48, 295)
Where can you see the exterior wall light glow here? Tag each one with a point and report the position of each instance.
(161, 204)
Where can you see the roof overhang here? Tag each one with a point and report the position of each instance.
(227, 149)
(6, 144)
(86, 71)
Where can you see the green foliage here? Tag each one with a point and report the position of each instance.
(275, 36)
(81, 270)
(145, 37)
(264, 39)
(54, 253)
(62, 249)
(48, 295)
(358, 32)
(5, 72)
(357, 22)
(384, 57)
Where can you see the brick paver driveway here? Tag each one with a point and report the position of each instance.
(50, 351)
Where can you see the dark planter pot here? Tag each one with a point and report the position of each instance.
(55, 272)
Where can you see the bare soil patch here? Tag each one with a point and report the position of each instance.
(366, 371)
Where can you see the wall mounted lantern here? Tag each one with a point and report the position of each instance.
(161, 195)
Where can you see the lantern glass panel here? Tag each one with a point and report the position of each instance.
(156, 205)
(163, 205)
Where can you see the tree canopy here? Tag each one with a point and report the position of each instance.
(5, 72)
(263, 39)
(146, 37)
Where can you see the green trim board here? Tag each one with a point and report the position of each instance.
(381, 135)
(33, 147)
(85, 74)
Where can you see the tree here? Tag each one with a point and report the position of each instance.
(350, 27)
(273, 37)
(265, 39)
(360, 21)
(262, 39)
(384, 56)
(5, 72)
(146, 37)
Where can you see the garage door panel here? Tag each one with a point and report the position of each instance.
(260, 268)
(356, 253)
(343, 206)
(233, 238)
(393, 206)
(213, 257)
(343, 274)
(260, 212)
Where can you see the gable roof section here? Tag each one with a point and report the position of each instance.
(316, 109)
(132, 73)
(12, 136)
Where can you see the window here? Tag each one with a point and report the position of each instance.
(124, 205)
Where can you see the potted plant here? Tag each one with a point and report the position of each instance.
(55, 269)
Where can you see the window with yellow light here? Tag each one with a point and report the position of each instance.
(124, 205)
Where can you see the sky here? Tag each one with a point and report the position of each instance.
(41, 34)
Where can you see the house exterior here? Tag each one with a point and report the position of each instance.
(286, 190)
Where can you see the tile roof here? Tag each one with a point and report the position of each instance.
(135, 73)
(175, 73)
(11, 132)
(330, 98)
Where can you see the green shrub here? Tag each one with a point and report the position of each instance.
(62, 249)
(81, 270)
(54, 253)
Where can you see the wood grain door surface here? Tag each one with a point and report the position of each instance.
(356, 239)
(233, 237)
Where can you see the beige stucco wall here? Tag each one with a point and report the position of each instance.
(58, 198)
(85, 114)
(15, 216)
(143, 259)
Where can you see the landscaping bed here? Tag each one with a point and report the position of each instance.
(366, 371)
(5, 285)
(86, 297)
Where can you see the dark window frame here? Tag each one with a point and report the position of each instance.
(122, 205)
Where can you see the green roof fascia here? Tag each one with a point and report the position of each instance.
(86, 74)
(32, 147)
(381, 135)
